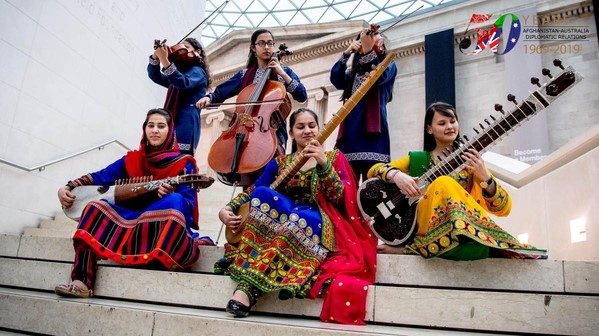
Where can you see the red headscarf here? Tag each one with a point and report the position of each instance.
(351, 267)
(162, 161)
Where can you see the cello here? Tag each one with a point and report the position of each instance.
(241, 152)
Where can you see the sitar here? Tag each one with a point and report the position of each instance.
(129, 189)
(392, 215)
(300, 159)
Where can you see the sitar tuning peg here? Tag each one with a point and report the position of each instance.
(558, 63)
(492, 117)
(499, 108)
(481, 126)
(546, 72)
(466, 138)
(475, 130)
(487, 121)
(512, 98)
(535, 81)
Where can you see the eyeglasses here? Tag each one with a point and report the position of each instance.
(263, 44)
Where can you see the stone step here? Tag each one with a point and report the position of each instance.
(64, 232)
(514, 312)
(545, 276)
(110, 317)
(58, 224)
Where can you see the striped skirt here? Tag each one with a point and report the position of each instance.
(155, 235)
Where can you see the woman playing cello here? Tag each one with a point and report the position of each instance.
(262, 47)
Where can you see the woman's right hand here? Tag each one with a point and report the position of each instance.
(406, 184)
(200, 104)
(353, 47)
(65, 197)
(229, 218)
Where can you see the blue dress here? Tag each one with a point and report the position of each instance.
(364, 145)
(182, 199)
(232, 86)
(191, 85)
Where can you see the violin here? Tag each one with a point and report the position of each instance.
(240, 153)
(178, 53)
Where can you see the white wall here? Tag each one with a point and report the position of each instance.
(73, 76)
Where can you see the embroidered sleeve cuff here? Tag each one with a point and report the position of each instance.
(292, 86)
(154, 61)
(169, 70)
(324, 171)
(240, 199)
(83, 180)
(498, 201)
(382, 172)
(344, 57)
(365, 59)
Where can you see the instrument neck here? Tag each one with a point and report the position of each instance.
(299, 160)
(258, 90)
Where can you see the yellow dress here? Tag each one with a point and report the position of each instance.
(453, 218)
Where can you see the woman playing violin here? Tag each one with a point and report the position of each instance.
(262, 48)
(156, 229)
(364, 134)
(304, 238)
(187, 78)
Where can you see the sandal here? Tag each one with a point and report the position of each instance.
(71, 290)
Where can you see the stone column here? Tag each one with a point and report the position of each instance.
(216, 121)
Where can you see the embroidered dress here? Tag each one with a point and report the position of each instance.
(301, 240)
(185, 87)
(147, 229)
(364, 134)
(453, 219)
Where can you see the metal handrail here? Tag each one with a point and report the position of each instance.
(43, 166)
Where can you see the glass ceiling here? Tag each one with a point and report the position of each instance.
(241, 14)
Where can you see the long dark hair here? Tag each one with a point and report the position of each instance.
(252, 59)
(292, 119)
(201, 61)
(445, 109)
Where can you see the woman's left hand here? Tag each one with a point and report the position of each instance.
(314, 149)
(275, 65)
(165, 189)
(476, 165)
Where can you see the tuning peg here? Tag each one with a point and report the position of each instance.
(492, 117)
(481, 126)
(475, 130)
(558, 63)
(487, 121)
(499, 108)
(466, 138)
(535, 81)
(439, 158)
(547, 73)
(512, 98)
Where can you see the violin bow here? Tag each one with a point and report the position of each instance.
(205, 19)
(250, 103)
(403, 17)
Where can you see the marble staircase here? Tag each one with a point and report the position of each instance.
(412, 296)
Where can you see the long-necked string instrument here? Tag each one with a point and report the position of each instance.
(300, 159)
(129, 189)
(393, 216)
